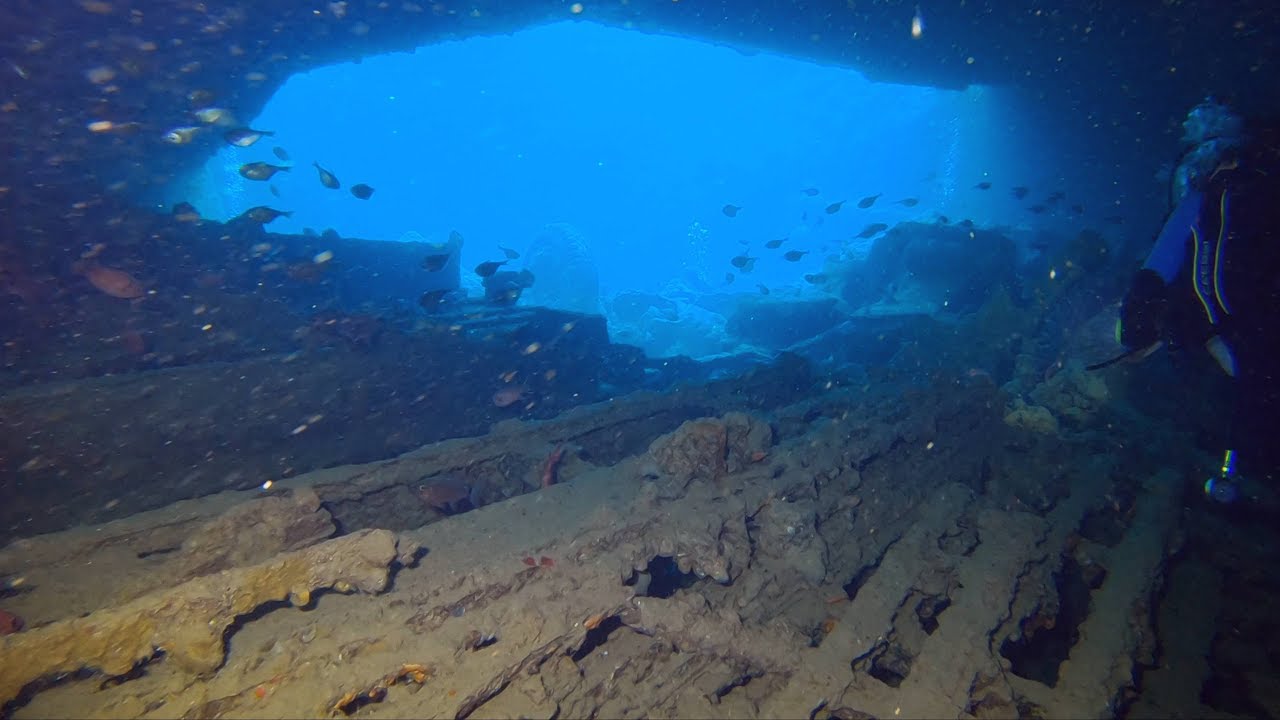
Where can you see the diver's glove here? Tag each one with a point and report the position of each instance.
(1142, 314)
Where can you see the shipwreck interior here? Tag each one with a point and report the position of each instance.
(249, 473)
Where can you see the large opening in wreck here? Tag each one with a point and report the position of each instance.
(668, 164)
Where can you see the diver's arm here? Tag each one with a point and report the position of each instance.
(1170, 249)
(1146, 304)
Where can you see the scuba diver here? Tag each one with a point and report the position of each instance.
(1212, 282)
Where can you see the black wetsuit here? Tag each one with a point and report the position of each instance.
(1215, 271)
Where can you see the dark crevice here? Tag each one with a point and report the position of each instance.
(1038, 655)
(476, 640)
(350, 706)
(255, 614)
(138, 670)
(158, 551)
(819, 632)
(891, 665)
(1107, 524)
(962, 541)
(859, 578)
(1230, 691)
(596, 637)
(741, 681)
(752, 529)
(864, 573)
(929, 609)
(339, 527)
(989, 697)
(1155, 600)
(31, 689)
(666, 579)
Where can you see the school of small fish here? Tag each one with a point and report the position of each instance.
(745, 262)
(236, 134)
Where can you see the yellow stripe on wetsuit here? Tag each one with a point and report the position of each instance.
(1197, 269)
(1217, 257)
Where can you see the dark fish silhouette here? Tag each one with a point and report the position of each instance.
(260, 170)
(244, 137)
(795, 255)
(327, 178)
(263, 214)
(764, 290)
(909, 202)
(730, 210)
(811, 191)
(728, 278)
(362, 191)
(511, 254)
(775, 244)
(743, 262)
(872, 229)
(815, 278)
(868, 201)
(280, 153)
(487, 269)
(430, 300)
(984, 185)
(1020, 191)
(834, 207)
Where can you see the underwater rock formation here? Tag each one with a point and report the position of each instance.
(748, 438)
(710, 448)
(778, 324)
(1073, 394)
(687, 330)
(1035, 418)
(664, 327)
(928, 267)
(255, 531)
(188, 621)
(696, 450)
(630, 307)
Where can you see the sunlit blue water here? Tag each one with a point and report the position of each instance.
(636, 140)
